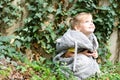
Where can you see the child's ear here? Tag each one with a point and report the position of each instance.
(76, 28)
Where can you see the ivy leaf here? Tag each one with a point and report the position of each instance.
(115, 5)
(48, 38)
(17, 43)
(50, 9)
(4, 39)
(99, 20)
(35, 28)
(31, 8)
(22, 68)
(103, 8)
(28, 20)
(1, 6)
(6, 19)
(53, 35)
(38, 15)
(28, 38)
(2, 47)
(58, 11)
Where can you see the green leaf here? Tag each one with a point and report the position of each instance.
(59, 10)
(2, 47)
(53, 35)
(35, 28)
(98, 20)
(18, 43)
(103, 8)
(21, 68)
(28, 20)
(31, 7)
(39, 15)
(50, 9)
(48, 38)
(6, 19)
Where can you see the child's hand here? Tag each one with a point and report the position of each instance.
(93, 54)
(68, 54)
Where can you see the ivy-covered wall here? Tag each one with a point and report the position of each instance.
(41, 22)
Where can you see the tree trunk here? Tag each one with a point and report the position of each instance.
(115, 57)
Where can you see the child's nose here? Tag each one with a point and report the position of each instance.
(91, 23)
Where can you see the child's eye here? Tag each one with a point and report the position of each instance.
(89, 21)
(86, 21)
(92, 21)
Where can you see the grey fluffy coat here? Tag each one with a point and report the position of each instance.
(81, 65)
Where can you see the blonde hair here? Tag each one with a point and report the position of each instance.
(78, 18)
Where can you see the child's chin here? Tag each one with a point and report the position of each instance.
(91, 31)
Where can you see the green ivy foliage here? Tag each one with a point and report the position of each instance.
(48, 19)
(9, 48)
(11, 59)
(9, 13)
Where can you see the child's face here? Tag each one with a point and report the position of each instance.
(86, 25)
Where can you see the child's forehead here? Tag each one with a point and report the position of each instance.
(84, 17)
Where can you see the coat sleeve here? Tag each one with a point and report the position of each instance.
(60, 45)
(63, 43)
